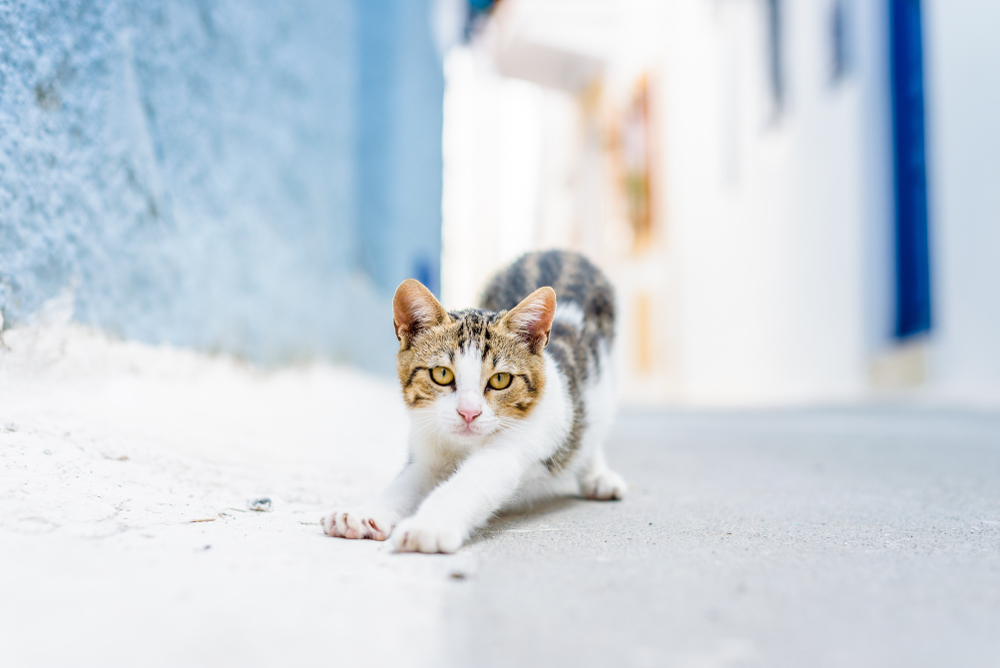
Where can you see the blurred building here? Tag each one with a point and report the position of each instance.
(796, 198)
(253, 177)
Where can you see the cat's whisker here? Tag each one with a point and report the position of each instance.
(425, 425)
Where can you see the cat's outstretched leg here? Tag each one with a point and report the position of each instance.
(376, 520)
(465, 501)
(599, 482)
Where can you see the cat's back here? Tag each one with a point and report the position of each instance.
(580, 341)
(584, 295)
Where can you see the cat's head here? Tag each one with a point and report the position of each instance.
(470, 374)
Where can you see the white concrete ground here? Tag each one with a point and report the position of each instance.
(853, 537)
(125, 533)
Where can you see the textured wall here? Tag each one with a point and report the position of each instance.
(962, 60)
(192, 169)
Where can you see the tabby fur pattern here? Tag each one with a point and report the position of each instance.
(509, 403)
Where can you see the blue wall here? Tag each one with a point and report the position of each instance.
(253, 177)
(398, 126)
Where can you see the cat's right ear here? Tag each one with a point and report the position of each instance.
(415, 309)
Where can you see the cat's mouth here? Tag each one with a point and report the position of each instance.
(467, 430)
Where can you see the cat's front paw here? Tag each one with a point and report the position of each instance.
(359, 523)
(419, 534)
(603, 485)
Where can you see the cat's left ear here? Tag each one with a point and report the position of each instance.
(532, 318)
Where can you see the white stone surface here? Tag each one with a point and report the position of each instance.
(124, 522)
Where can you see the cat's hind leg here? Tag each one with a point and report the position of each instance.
(599, 482)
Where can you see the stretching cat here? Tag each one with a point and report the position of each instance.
(508, 403)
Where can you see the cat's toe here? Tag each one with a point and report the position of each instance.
(373, 527)
(329, 523)
(603, 486)
(418, 535)
(358, 524)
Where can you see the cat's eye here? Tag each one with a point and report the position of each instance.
(500, 381)
(442, 375)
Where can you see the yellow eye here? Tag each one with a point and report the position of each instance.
(500, 381)
(442, 375)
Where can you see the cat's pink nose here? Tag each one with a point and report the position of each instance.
(470, 414)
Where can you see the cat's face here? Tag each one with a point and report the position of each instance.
(468, 375)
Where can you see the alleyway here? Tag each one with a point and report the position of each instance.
(842, 537)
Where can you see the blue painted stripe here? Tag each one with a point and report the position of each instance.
(913, 280)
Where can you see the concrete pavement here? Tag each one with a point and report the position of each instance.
(852, 537)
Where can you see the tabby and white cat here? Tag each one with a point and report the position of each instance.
(508, 403)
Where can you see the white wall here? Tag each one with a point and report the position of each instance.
(767, 215)
(962, 59)
(500, 185)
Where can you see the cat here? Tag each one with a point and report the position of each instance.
(509, 403)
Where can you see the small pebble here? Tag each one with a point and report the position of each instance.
(262, 505)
